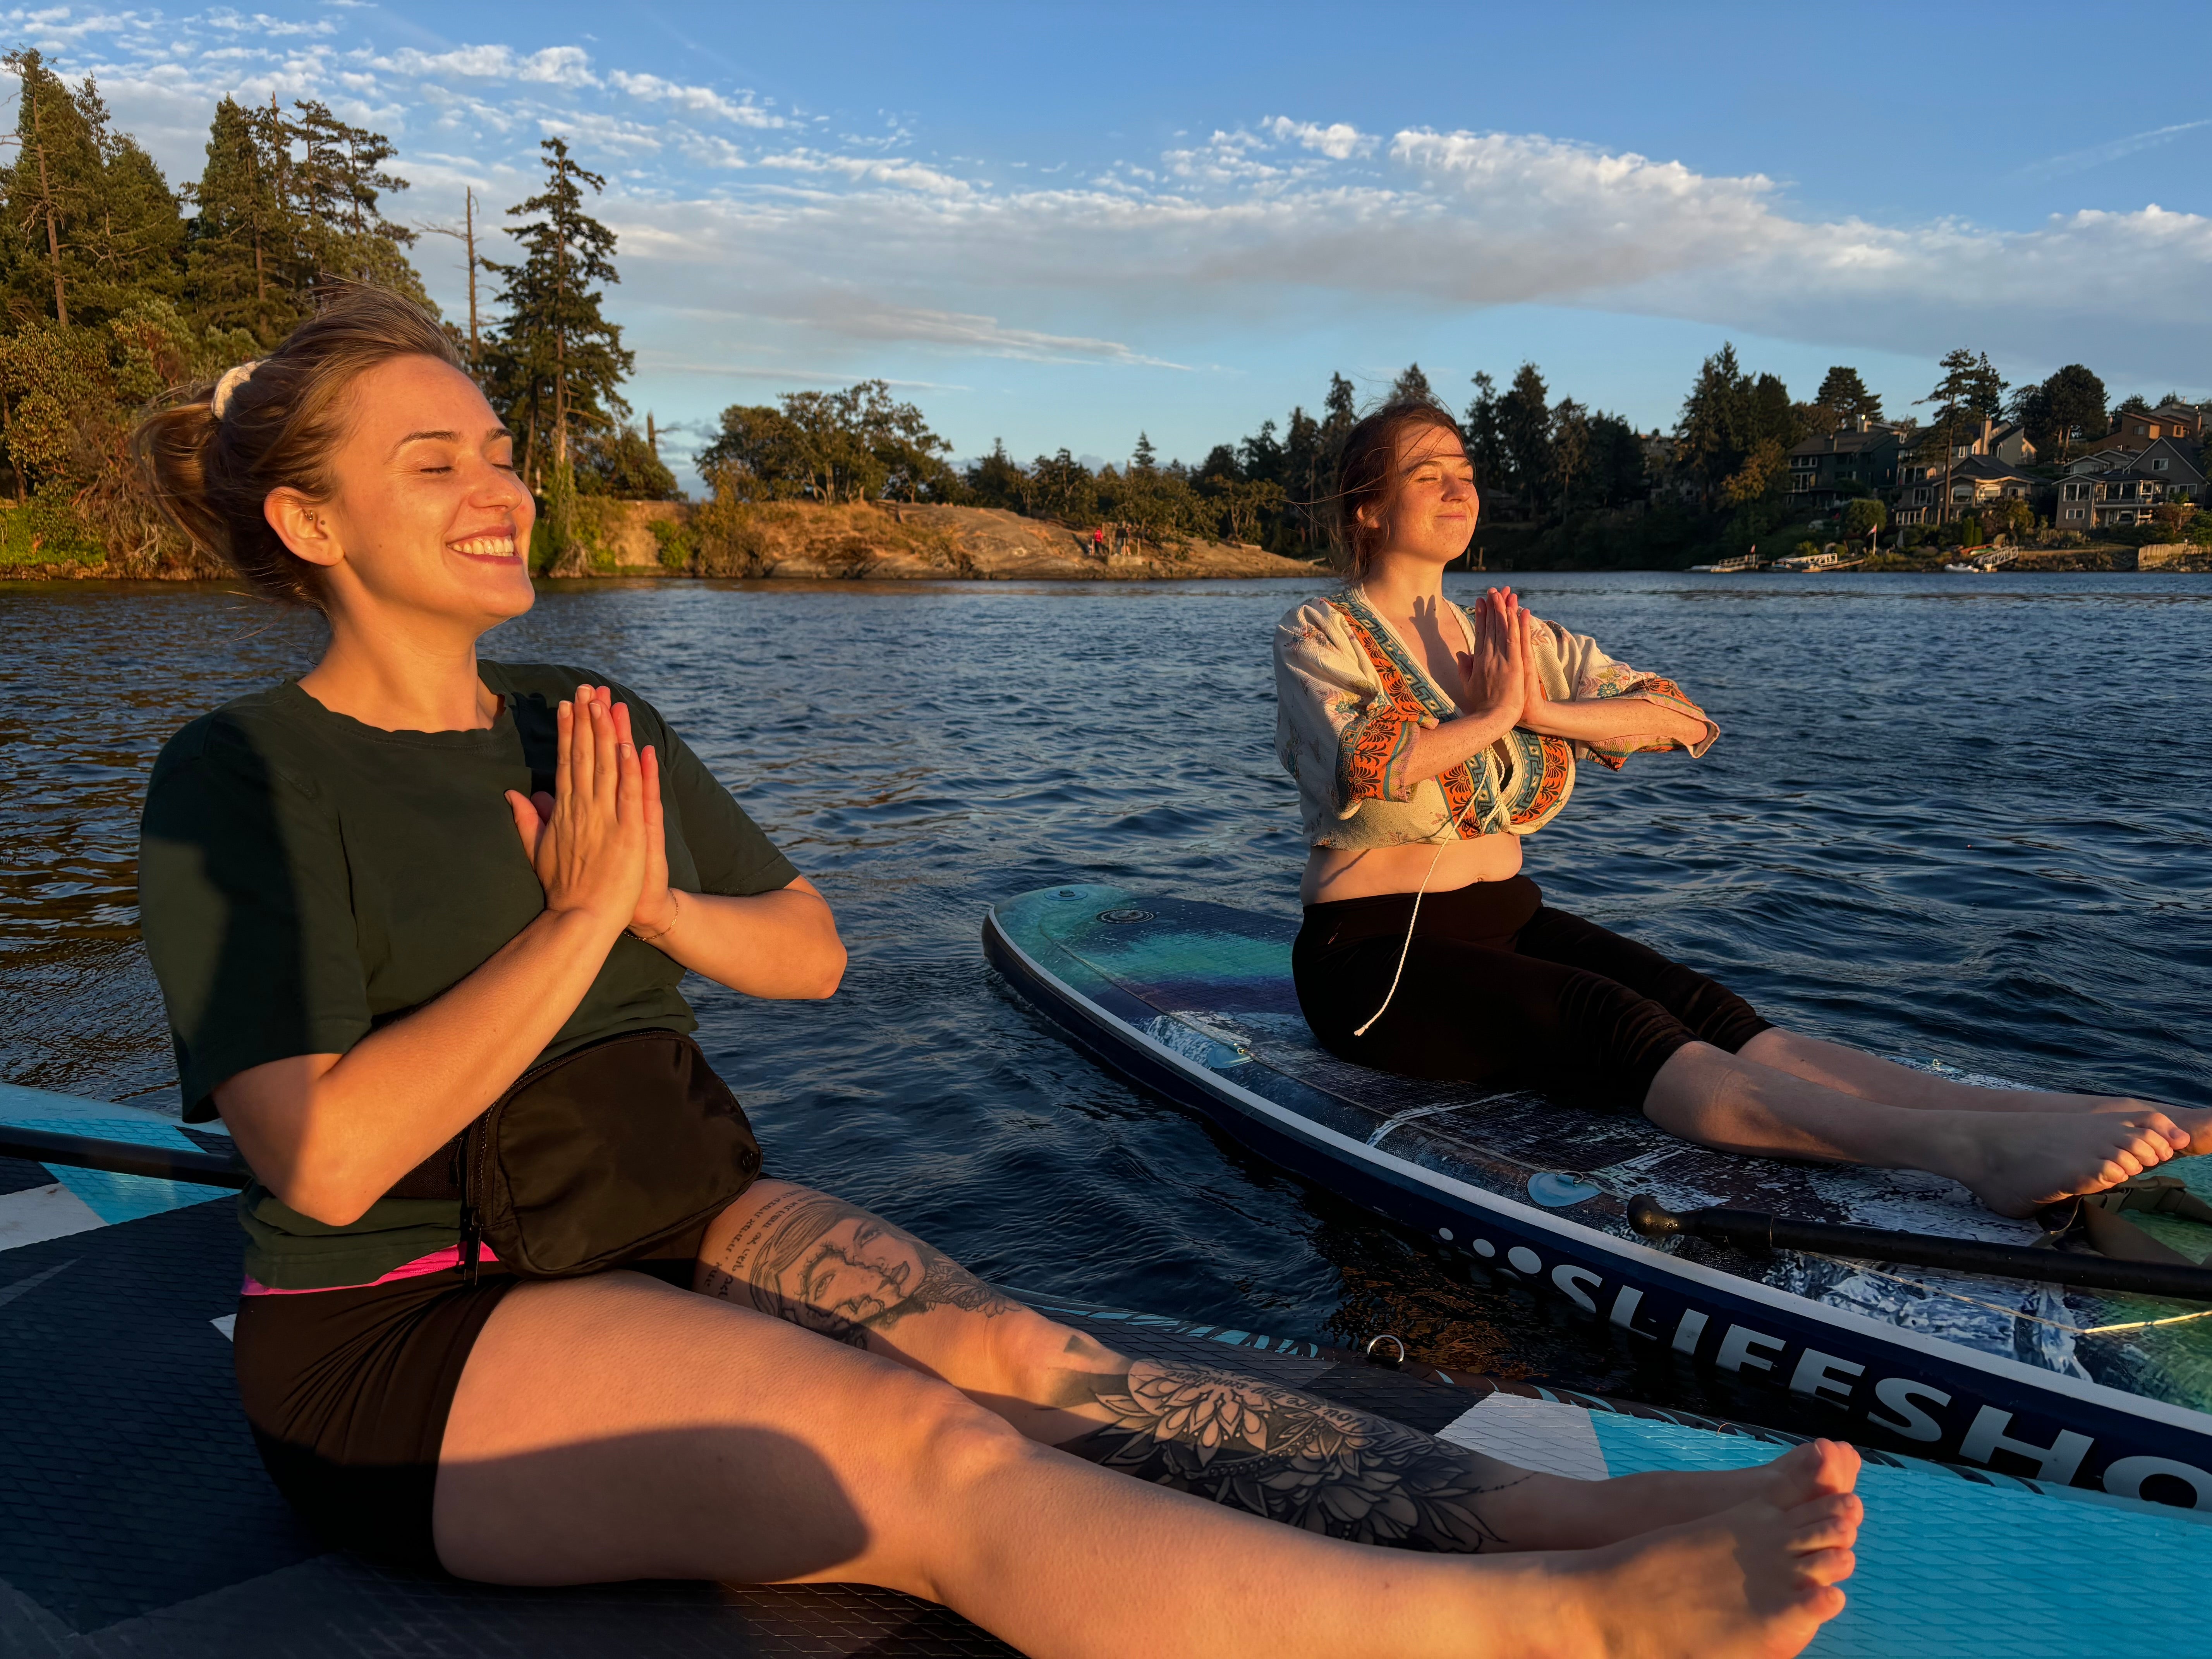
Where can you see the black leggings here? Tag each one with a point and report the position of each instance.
(1500, 988)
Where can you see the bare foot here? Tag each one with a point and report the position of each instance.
(1548, 1513)
(1755, 1581)
(2015, 1162)
(2194, 1122)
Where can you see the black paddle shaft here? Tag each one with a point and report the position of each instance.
(1754, 1231)
(123, 1157)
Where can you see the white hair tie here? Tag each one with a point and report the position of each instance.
(219, 404)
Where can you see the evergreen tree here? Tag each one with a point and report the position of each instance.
(1715, 436)
(2074, 406)
(1966, 381)
(1412, 387)
(1261, 454)
(1570, 452)
(335, 185)
(133, 238)
(1339, 412)
(1303, 459)
(1774, 419)
(1485, 442)
(1616, 462)
(997, 480)
(556, 362)
(243, 262)
(52, 189)
(287, 202)
(1843, 396)
(1143, 458)
(1524, 427)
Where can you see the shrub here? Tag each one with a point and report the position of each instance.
(677, 541)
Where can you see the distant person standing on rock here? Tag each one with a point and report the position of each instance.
(1098, 542)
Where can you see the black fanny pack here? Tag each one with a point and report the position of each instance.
(593, 1158)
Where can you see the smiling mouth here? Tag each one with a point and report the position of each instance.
(497, 546)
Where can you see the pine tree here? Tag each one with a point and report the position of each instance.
(287, 202)
(1715, 434)
(1412, 387)
(1524, 427)
(243, 259)
(54, 183)
(94, 228)
(1844, 394)
(1965, 382)
(1485, 443)
(1303, 456)
(1144, 457)
(1339, 411)
(335, 186)
(556, 362)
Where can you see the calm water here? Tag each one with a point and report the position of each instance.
(1954, 817)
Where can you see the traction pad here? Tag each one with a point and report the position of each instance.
(135, 1517)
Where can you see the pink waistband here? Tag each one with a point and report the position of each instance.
(436, 1261)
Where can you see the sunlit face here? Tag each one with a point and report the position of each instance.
(429, 516)
(1432, 513)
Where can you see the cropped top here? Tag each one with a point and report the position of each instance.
(1349, 696)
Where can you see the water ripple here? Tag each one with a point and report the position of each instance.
(1964, 820)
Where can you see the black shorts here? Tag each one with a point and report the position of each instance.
(348, 1392)
(1500, 988)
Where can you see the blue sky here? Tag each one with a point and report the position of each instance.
(1061, 223)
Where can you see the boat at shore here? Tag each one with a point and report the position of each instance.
(2064, 1367)
(1741, 563)
(1803, 563)
(136, 1518)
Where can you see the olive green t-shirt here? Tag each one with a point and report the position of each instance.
(304, 878)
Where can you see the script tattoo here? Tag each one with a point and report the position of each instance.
(1273, 1452)
(832, 1267)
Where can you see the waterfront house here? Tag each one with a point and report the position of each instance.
(2111, 487)
(1834, 466)
(1975, 480)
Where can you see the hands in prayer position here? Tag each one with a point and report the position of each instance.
(598, 842)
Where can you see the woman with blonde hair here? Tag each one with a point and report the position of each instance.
(518, 1303)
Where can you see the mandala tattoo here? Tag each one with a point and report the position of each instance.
(834, 1268)
(1273, 1452)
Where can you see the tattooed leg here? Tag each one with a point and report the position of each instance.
(834, 1268)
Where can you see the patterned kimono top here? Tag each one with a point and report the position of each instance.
(1349, 698)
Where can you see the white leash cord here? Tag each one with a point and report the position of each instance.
(1406, 950)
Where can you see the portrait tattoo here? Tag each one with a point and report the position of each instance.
(833, 1269)
(1273, 1452)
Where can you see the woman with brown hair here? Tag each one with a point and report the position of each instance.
(1428, 741)
(419, 920)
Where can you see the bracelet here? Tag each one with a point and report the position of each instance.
(676, 901)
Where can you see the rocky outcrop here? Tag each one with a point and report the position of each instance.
(890, 541)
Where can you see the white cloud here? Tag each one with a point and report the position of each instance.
(2080, 161)
(854, 320)
(700, 100)
(1285, 216)
(1444, 222)
(1339, 141)
(558, 66)
(871, 170)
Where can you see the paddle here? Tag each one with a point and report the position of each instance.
(123, 1157)
(1754, 1231)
